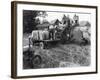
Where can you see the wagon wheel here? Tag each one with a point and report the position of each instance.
(37, 60)
(41, 45)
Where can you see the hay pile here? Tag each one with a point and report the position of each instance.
(67, 55)
(70, 55)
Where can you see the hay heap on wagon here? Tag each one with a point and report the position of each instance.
(43, 26)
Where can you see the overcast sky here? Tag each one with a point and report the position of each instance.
(58, 15)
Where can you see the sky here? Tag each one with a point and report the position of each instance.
(58, 15)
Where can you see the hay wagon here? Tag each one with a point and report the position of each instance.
(55, 36)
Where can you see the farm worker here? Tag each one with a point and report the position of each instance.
(51, 30)
(76, 19)
(68, 21)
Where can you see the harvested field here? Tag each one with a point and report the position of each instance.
(63, 55)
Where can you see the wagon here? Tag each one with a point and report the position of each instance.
(59, 36)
